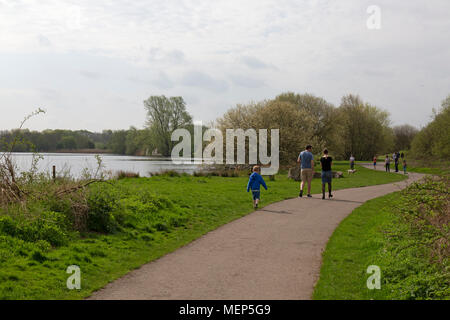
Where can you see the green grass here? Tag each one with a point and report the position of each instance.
(429, 166)
(436, 171)
(180, 210)
(399, 233)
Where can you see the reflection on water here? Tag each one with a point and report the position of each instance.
(77, 162)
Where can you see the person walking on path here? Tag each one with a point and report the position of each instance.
(375, 162)
(352, 162)
(396, 160)
(387, 163)
(254, 182)
(327, 175)
(404, 166)
(306, 160)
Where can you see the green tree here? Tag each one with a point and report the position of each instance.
(403, 136)
(68, 143)
(364, 129)
(117, 142)
(434, 139)
(164, 115)
(297, 125)
(138, 142)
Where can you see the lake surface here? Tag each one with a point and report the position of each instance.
(77, 162)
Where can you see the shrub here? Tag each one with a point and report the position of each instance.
(161, 226)
(38, 256)
(417, 251)
(42, 228)
(102, 205)
(7, 226)
(126, 174)
(146, 237)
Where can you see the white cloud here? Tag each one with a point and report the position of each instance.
(219, 53)
(202, 80)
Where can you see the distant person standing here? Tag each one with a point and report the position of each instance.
(396, 160)
(402, 155)
(387, 163)
(375, 162)
(352, 162)
(327, 175)
(306, 160)
(404, 166)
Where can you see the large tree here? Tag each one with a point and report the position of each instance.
(138, 142)
(364, 129)
(433, 141)
(164, 115)
(403, 136)
(319, 109)
(296, 125)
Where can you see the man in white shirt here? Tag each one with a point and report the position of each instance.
(352, 162)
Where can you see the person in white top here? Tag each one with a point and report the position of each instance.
(352, 161)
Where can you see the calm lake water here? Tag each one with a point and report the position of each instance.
(76, 163)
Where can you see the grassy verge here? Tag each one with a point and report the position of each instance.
(131, 222)
(436, 167)
(406, 234)
(427, 170)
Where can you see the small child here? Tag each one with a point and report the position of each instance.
(254, 183)
(404, 166)
(375, 162)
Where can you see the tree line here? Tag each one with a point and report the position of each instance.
(354, 127)
(433, 141)
(163, 116)
(132, 141)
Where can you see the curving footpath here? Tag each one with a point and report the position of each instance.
(273, 253)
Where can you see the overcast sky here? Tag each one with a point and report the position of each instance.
(91, 63)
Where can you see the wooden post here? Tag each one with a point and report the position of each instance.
(54, 173)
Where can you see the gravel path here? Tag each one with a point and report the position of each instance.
(272, 253)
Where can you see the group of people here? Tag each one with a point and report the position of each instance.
(396, 157)
(306, 160)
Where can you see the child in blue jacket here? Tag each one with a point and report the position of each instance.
(254, 183)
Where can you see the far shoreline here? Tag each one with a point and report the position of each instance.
(81, 151)
(84, 151)
(93, 151)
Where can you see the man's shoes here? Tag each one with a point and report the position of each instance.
(301, 193)
(330, 196)
(309, 196)
(323, 196)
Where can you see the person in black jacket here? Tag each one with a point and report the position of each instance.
(396, 159)
(327, 175)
